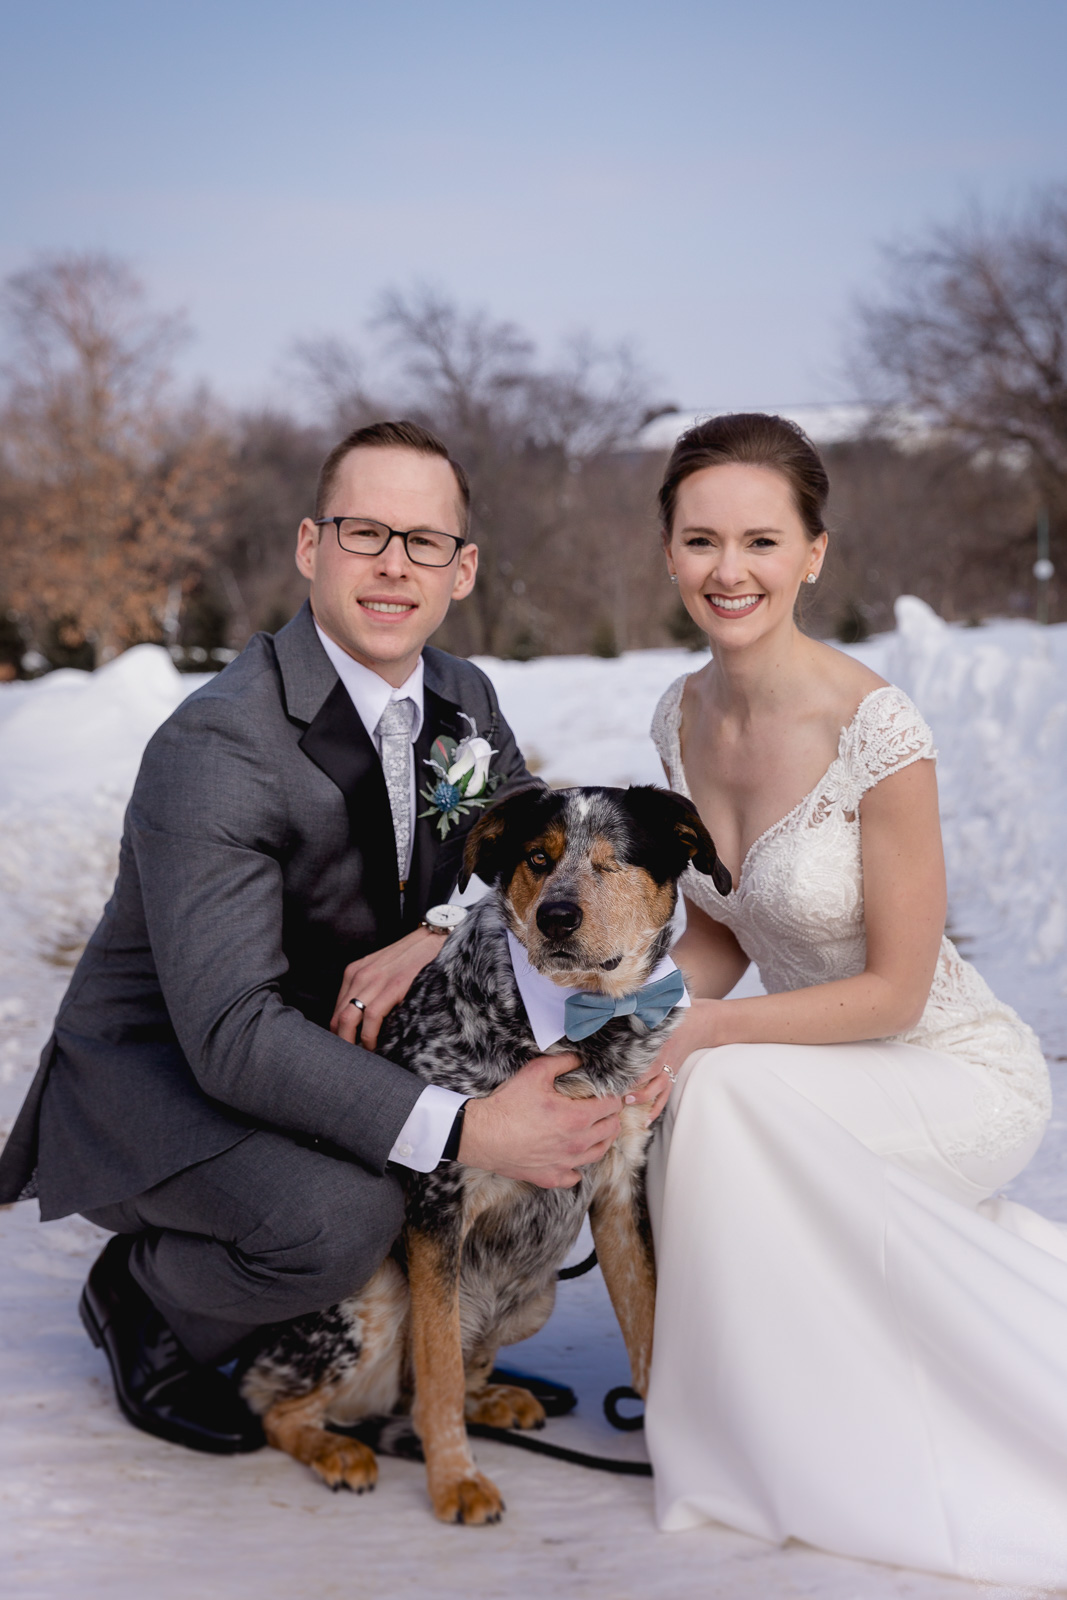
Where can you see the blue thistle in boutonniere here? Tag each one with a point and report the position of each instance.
(464, 782)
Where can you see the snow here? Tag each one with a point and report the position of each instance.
(825, 424)
(94, 1508)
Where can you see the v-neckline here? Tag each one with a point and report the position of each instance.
(801, 803)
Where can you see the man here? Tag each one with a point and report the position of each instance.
(211, 1093)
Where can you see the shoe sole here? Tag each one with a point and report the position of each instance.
(89, 1322)
(158, 1429)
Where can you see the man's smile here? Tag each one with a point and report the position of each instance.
(388, 608)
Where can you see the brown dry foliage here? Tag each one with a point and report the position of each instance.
(111, 493)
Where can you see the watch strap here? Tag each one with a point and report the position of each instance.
(455, 1134)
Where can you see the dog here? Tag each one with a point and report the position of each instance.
(585, 880)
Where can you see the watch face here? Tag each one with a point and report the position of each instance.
(445, 916)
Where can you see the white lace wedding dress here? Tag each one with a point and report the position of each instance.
(857, 1343)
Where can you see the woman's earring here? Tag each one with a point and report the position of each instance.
(674, 577)
(810, 578)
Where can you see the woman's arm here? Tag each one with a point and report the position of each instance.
(904, 912)
(709, 955)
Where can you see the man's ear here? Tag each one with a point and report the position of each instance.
(466, 572)
(308, 539)
(492, 840)
(676, 833)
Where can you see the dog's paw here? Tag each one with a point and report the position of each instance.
(343, 1463)
(504, 1405)
(473, 1499)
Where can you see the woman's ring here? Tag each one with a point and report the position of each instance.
(358, 1005)
(672, 1075)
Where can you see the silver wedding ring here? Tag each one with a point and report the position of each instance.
(358, 1005)
(672, 1075)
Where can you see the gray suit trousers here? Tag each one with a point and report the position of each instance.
(266, 1231)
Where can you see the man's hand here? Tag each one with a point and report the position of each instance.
(526, 1130)
(381, 981)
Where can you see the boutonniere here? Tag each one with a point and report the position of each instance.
(464, 781)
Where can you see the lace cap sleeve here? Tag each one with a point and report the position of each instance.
(664, 730)
(887, 734)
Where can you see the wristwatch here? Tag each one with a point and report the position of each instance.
(451, 1149)
(442, 919)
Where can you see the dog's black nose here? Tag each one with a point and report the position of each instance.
(557, 919)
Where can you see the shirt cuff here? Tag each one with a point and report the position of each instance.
(421, 1141)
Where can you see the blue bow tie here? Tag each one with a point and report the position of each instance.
(587, 1013)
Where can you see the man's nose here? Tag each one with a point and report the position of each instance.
(392, 562)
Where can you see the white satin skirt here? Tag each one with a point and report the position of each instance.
(857, 1344)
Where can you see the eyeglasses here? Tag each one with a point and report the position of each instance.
(361, 536)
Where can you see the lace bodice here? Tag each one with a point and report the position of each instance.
(797, 911)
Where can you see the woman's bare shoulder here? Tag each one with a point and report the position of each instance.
(846, 682)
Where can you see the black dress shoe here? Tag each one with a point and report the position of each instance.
(556, 1398)
(159, 1388)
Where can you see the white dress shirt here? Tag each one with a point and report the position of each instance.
(422, 1139)
(370, 695)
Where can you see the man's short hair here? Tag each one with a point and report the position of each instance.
(402, 435)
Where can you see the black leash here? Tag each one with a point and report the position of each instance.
(578, 1458)
(558, 1452)
(540, 1447)
(579, 1269)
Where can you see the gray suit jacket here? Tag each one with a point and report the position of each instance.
(257, 861)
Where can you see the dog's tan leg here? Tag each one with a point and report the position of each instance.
(295, 1426)
(459, 1492)
(623, 1239)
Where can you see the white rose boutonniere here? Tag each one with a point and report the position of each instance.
(464, 780)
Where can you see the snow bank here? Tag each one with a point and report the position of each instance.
(70, 745)
(76, 732)
(583, 720)
(996, 698)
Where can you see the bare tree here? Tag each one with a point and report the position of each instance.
(111, 488)
(253, 577)
(530, 433)
(933, 522)
(971, 333)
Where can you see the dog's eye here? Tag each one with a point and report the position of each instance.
(538, 860)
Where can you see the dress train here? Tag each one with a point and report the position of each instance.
(858, 1343)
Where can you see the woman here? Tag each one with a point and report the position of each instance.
(857, 1344)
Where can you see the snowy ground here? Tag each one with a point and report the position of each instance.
(93, 1508)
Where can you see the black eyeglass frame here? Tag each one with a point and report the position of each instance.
(394, 533)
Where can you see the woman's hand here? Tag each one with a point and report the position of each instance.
(701, 1027)
(381, 981)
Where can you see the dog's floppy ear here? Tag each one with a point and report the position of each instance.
(676, 833)
(492, 839)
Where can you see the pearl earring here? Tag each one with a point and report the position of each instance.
(810, 578)
(674, 577)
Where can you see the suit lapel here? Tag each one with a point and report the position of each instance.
(340, 745)
(337, 742)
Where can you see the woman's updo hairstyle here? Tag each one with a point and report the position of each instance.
(752, 439)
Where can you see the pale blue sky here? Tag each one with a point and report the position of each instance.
(707, 180)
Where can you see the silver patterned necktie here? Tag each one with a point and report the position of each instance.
(394, 732)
